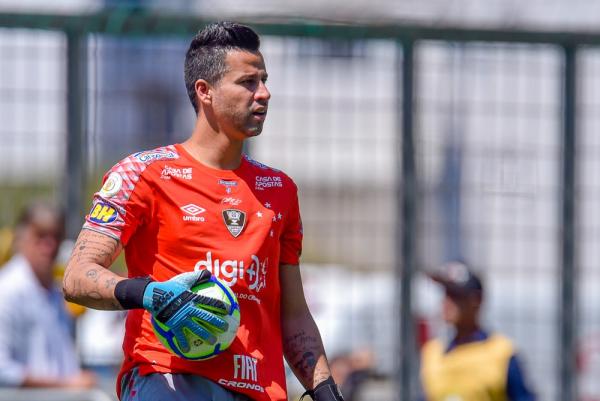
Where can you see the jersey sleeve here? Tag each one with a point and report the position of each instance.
(123, 202)
(291, 238)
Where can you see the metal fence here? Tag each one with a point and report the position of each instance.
(411, 146)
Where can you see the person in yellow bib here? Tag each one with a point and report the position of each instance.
(475, 365)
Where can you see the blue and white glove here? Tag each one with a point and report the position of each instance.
(172, 303)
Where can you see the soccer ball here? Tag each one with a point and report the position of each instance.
(199, 349)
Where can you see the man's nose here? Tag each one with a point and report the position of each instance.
(262, 93)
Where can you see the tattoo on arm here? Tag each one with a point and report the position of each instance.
(97, 251)
(87, 280)
(306, 355)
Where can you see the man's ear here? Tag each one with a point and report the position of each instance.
(203, 91)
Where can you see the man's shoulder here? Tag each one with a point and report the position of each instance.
(142, 159)
(168, 152)
(434, 344)
(501, 339)
(264, 170)
(129, 169)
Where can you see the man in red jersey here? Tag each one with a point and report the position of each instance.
(186, 211)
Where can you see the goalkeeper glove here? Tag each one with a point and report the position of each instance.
(172, 303)
(325, 391)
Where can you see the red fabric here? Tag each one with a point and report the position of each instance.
(162, 240)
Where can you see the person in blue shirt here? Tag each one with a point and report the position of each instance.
(475, 365)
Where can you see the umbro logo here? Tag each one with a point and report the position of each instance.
(192, 211)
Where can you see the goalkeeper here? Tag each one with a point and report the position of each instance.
(185, 211)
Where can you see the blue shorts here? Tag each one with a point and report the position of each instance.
(174, 387)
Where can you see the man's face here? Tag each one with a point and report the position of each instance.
(460, 308)
(40, 241)
(241, 98)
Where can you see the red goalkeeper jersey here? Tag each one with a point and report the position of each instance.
(173, 215)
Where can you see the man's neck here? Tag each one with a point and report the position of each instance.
(464, 333)
(214, 149)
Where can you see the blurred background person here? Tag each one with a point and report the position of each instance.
(472, 364)
(36, 342)
(352, 370)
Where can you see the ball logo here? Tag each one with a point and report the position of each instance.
(235, 220)
(103, 213)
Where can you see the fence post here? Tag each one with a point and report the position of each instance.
(76, 147)
(407, 221)
(568, 305)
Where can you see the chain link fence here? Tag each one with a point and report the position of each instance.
(488, 124)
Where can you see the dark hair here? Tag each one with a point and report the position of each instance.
(205, 58)
(34, 208)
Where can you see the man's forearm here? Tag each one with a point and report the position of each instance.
(93, 286)
(87, 280)
(303, 350)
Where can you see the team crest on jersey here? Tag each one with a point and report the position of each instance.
(235, 220)
(112, 185)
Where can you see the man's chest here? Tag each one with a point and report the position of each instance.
(212, 209)
(224, 225)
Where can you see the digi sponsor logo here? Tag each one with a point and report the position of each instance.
(268, 181)
(103, 213)
(230, 271)
(152, 155)
(192, 211)
(245, 374)
(182, 173)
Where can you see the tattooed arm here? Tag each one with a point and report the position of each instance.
(302, 345)
(87, 280)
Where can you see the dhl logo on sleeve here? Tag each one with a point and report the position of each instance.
(102, 213)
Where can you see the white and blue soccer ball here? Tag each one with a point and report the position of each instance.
(199, 349)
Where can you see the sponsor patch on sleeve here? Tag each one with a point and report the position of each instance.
(103, 213)
(112, 185)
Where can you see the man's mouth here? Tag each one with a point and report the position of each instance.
(260, 114)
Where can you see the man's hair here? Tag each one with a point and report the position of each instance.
(34, 208)
(205, 58)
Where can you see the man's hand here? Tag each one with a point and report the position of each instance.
(171, 302)
(325, 391)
